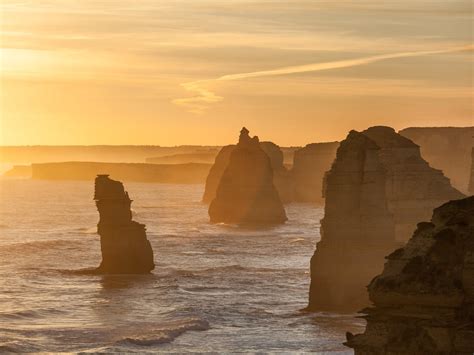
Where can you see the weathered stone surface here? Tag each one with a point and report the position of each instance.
(357, 229)
(281, 176)
(246, 193)
(377, 190)
(446, 148)
(124, 245)
(471, 181)
(309, 166)
(413, 187)
(424, 298)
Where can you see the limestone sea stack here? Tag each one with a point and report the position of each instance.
(309, 166)
(424, 298)
(357, 230)
(216, 172)
(124, 245)
(246, 194)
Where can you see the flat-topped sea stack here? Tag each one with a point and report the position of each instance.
(124, 245)
(281, 175)
(309, 166)
(446, 148)
(375, 172)
(413, 188)
(357, 230)
(246, 194)
(424, 298)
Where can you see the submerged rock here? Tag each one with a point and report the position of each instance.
(377, 190)
(246, 193)
(424, 298)
(309, 166)
(357, 230)
(124, 245)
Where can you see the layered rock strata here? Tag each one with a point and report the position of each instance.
(124, 245)
(309, 166)
(357, 230)
(246, 193)
(424, 298)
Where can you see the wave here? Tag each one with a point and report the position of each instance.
(234, 268)
(29, 314)
(166, 333)
(39, 244)
(85, 230)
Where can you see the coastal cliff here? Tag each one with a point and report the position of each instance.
(424, 298)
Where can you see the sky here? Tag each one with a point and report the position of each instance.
(171, 72)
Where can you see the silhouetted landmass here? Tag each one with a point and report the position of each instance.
(446, 148)
(281, 175)
(471, 180)
(158, 173)
(19, 171)
(123, 242)
(309, 166)
(424, 298)
(357, 230)
(203, 158)
(246, 193)
(376, 191)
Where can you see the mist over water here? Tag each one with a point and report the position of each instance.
(215, 287)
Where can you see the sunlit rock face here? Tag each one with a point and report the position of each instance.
(281, 176)
(357, 230)
(424, 298)
(471, 181)
(246, 193)
(124, 245)
(309, 166)
(446, 148)
(413, 188)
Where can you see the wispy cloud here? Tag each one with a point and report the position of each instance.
(203, 96)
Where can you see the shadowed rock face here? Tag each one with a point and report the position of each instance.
(424, 298)
(471, 181)
(309, 166)
(446, 148)
(246, 193)
(281, 176)
(357, 229)
(377, 190)
(125, 248)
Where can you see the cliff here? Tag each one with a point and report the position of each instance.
(246, 193)
(357, 230)
(424, 298)
(158, 173)
(124, 245)
(201, 158)
(446, 148)
(378, 187)
(309, 166)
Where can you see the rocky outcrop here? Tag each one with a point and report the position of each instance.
(378, 188)
(357, 230)
(471, 181)
(246, 193)
(281, 175)
(446, 148)
(424, 298)
(124, 245)
(413, 187)
(309, 166)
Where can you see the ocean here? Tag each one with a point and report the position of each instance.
(215, 288)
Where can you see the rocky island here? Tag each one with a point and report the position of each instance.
(424, 298)
(246, 193)
(123, 242)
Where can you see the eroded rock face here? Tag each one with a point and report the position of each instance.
(446, 148)
(424, 298)
(357, 230)
(377, 190)
(281, 176)
(309, 166)
(246, 193)
(471, 181)
(124, 245)
(413, 188)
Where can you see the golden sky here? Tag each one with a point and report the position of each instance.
(174, 72)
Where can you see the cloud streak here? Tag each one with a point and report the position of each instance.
(203, 97)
